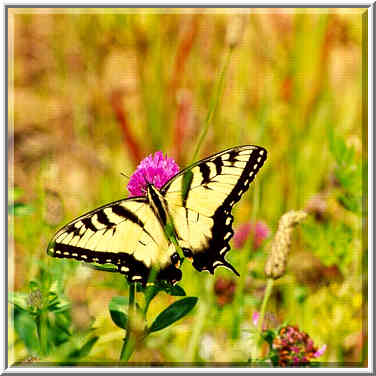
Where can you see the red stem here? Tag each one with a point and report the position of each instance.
(121, 116)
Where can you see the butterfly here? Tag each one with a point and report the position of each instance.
(190, 214)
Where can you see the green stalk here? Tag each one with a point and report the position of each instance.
(42, 332)
(213, 104)
(129, 340)
(246, 256)
(42, 318)
(268, 292)
(203, 310)
(239, 297)
(205, 302)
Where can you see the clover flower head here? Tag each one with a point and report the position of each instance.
(241, 235)
(295, 347)
(259, 231)
(155, 169)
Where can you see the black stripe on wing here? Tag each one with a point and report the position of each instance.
(134, 270)
(126, 263)
(213, 255)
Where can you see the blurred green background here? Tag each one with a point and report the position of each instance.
(92, 92)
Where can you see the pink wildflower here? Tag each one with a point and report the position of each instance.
(259, 231)
(269, 320)
(320, 351)
(295, 360)
(156, 170)
(295, 347)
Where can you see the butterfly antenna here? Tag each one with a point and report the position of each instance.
(125, 175)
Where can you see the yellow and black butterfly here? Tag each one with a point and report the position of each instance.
(195, 205)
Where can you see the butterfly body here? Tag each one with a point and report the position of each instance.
(191, 212)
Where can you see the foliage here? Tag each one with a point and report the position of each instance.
(42, 320)
(348, 171)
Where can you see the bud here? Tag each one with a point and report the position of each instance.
(35, 299)
(276, 263)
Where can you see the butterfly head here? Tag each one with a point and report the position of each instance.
(151, 192)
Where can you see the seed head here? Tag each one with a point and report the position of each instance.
(276, 263)
(235, 30)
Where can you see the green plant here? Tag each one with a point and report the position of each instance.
(349, 173)
(128, 315)
(42, 320)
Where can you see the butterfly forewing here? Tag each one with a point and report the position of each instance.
(202, 215)
(125, 233)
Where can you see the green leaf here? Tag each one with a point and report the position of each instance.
(19, 299)
(274, 358)
(103, 268)
(186, 184)
(335, 237)
(118, 311)
(26, 329)
(151, 291)
(351, 202)
(16, 193)
(57, 304)
(175, 290)
(19, 209)
(33, 286)
(169, 230)
(173, 313)
(85, 349)
(301, 293)
(63, 322)
(268, 336)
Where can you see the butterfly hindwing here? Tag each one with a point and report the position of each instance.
(125, 233)
(202, 213)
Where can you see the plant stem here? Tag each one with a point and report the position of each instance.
(42, 332)
(239, 293)
(213, 104)
(246, 256)
(200, 319)
(129, 341)
(205, 303)
(268, 292)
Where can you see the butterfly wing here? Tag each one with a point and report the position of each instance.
(125, 233)
(200, 199)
